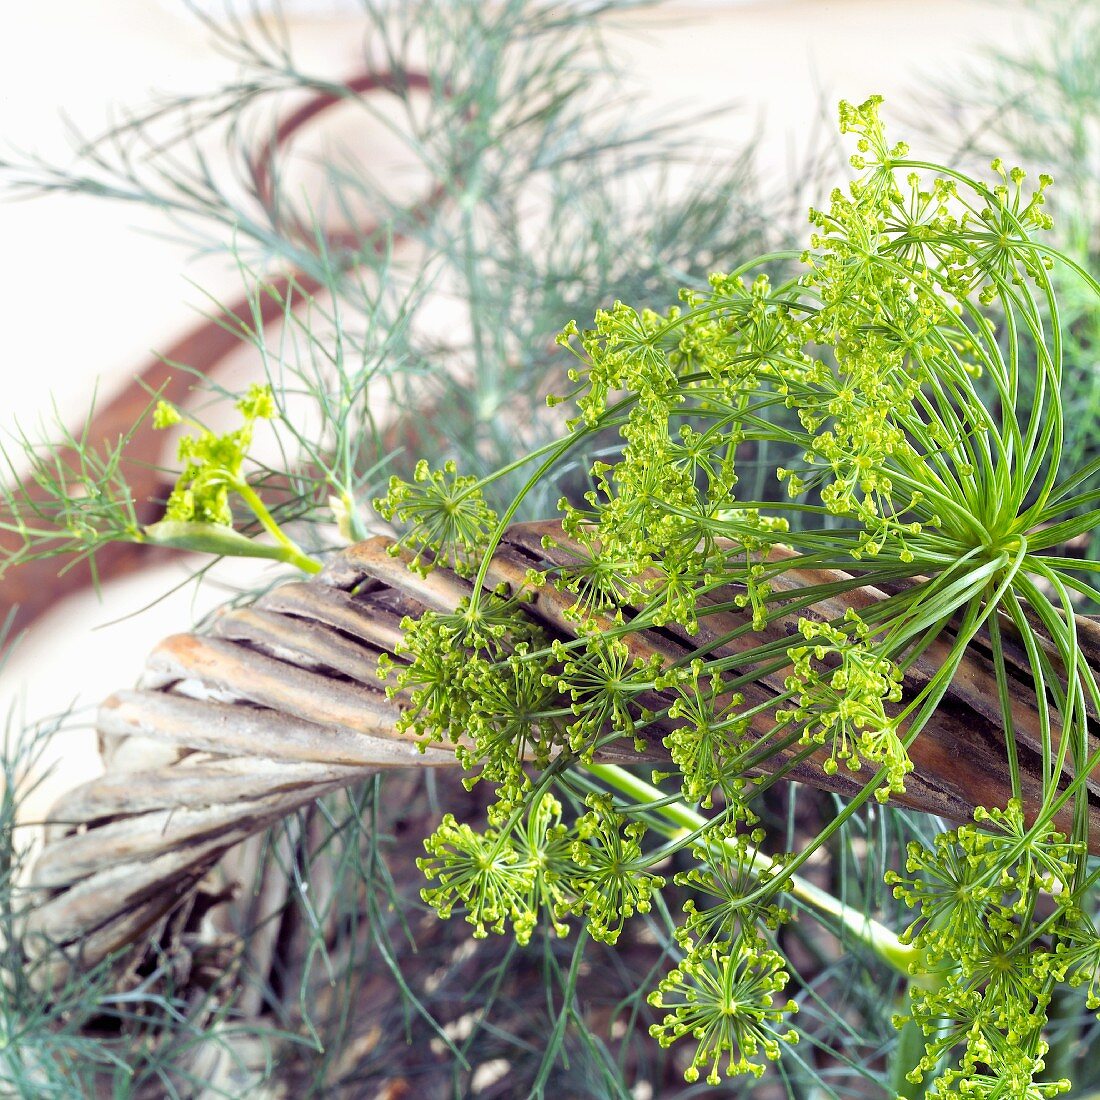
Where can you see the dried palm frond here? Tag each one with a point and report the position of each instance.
(279, 703)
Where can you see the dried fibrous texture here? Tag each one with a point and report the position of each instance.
(280, 703)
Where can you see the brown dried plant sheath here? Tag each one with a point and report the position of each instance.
(279, 703)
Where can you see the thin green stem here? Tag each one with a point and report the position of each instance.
(874, 935)
(294, 554)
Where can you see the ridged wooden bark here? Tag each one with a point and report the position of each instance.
(279, 703)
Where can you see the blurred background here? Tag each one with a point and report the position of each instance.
(91, 287)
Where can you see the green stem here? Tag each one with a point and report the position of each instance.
(871, 933)
(293, 553)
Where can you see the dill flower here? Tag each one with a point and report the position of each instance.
(603, 681)
(616, 881)
(445, 515)
(1077, 958)
(709, 734)
(545, 846)
(212, 463)
(845, 707)
(722, 998)
(725, 874)
(509, 717)
(429, 682)
(954, 889)
(484, 873)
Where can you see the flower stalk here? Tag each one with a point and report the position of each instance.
(686, 824)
